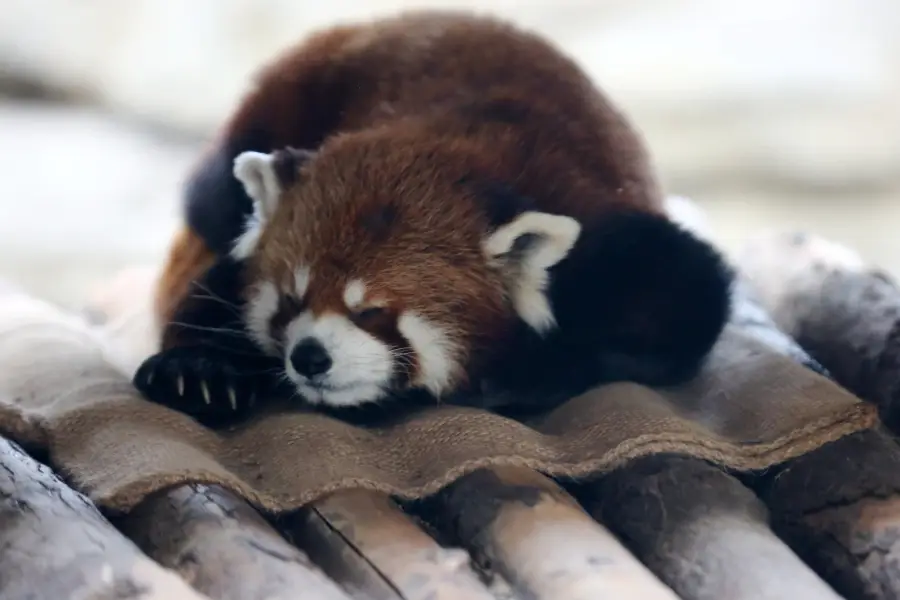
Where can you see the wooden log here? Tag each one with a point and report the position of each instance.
(701, 531)
(841, 310)
(862, 537)
(368, 530)
(839, 509)
(839, 506)
(748, 312)
(337, 556)
(215, 540)
(223, 547)
(362, 541)
(528, 529)
(342, 535)
(55, 544)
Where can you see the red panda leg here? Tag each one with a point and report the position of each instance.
(208, 367)
(637, 299)
(640, 299)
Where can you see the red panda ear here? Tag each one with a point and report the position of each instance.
(256, 172)
(524, 249)
(287, 163)
(264, 177)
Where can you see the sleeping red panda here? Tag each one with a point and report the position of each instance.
(433, 205)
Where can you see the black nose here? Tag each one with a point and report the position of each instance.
(310, 358)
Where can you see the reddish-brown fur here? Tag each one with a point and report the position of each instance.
(420, 137)
(415, 113)
(188, 258)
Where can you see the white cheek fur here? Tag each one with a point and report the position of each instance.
(261, 306)
(434, 349)
(362, 365)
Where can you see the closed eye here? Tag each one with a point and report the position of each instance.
(289, 307)
(370, 313)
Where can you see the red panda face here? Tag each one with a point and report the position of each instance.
(371, 276)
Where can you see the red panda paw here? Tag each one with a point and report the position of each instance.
(198, 382)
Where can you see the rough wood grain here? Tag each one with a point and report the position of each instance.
(839, 508)
(701, 531)
(843, 311)
(868, 534)
(332, 534)
(223, 547)
(526, 527)
(337, 557)
(55, 544)
(386, 544)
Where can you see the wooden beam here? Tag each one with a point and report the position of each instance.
(370, 532)
(223, 547)
(701, 531)
(55, 544)
(525, 526)
(839, 509)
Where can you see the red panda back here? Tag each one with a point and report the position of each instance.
(450, 97)
(542, 124)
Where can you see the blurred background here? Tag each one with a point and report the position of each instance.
(771, 113)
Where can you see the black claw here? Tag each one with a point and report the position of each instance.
(198, 382)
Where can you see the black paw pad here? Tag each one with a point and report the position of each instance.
(204, 385)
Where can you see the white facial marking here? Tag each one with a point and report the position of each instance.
(362, 365)
(261, 306)
(255, 172)
(556, 234)
(434, 350)
(354, 294)
(301, 281)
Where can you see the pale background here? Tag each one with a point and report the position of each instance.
(770, 113)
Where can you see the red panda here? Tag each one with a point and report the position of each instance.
(432, 204)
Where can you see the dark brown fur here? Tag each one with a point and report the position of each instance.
(421, 126)
(439, 98)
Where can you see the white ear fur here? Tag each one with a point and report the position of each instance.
(256, 172)
(555, 235)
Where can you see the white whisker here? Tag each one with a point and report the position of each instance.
(210, 295)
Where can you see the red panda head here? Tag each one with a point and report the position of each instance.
(376, 269)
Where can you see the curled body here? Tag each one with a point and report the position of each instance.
(435, 205)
